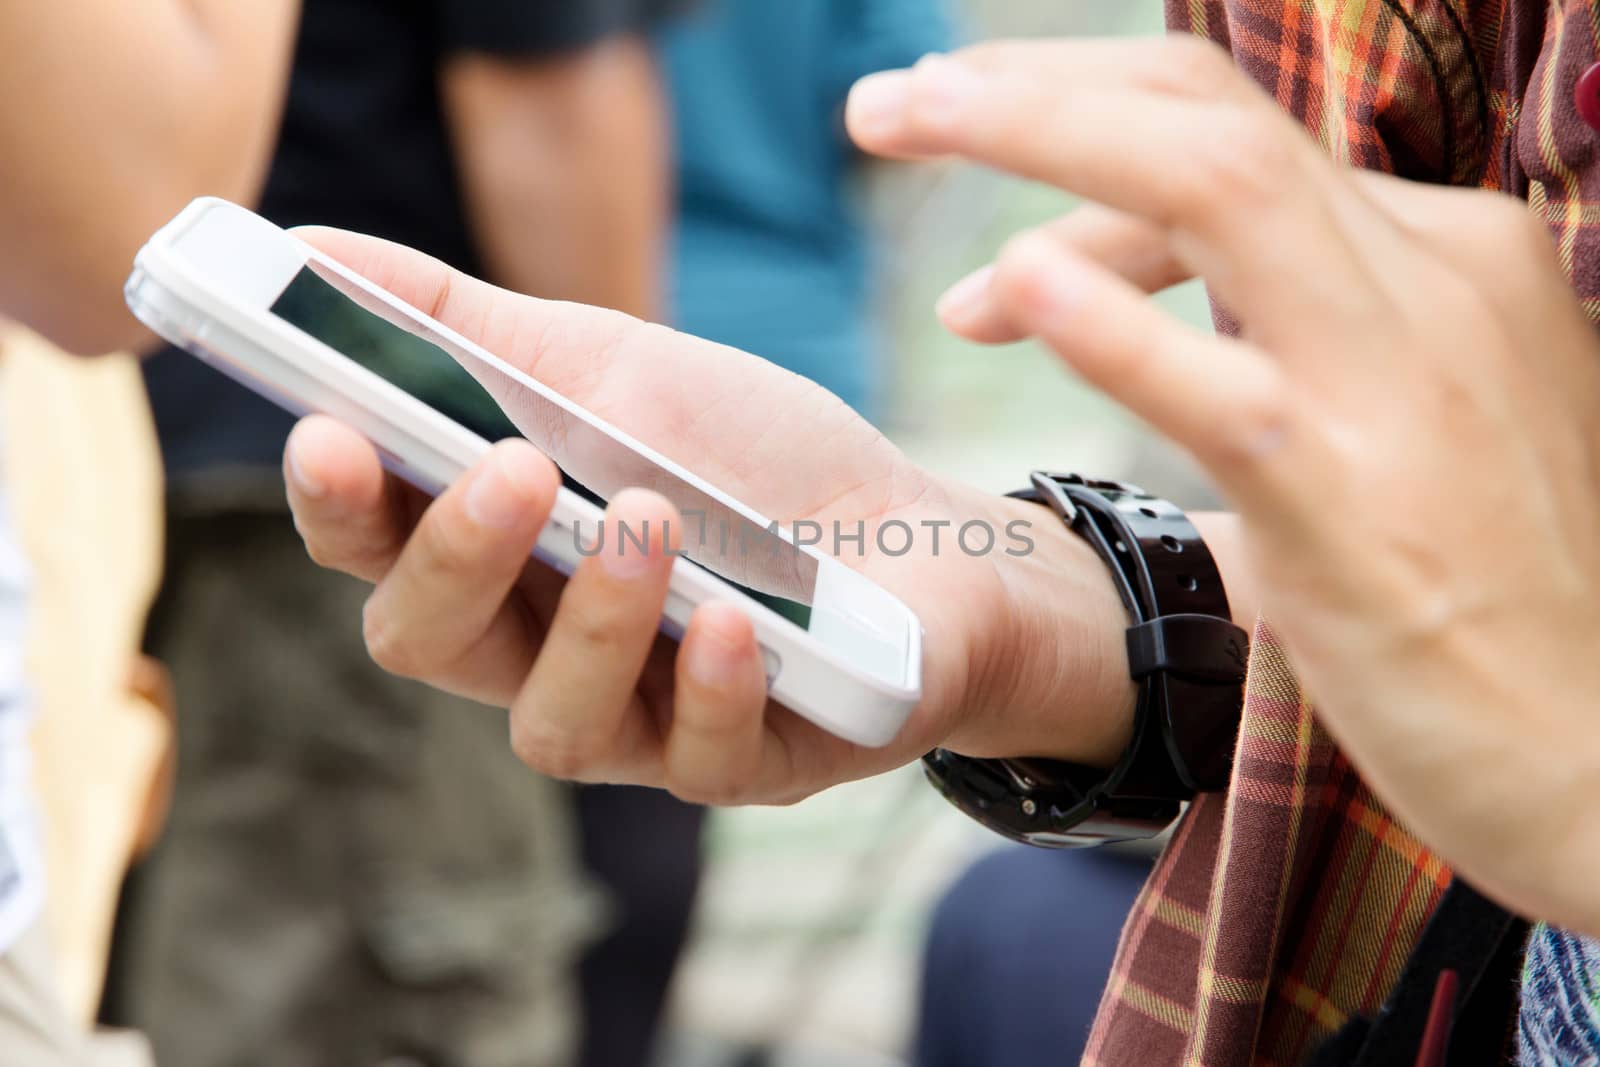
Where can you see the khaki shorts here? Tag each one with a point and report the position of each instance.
(34, 1028)
(356, 868)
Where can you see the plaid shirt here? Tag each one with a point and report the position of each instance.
(1287, 906)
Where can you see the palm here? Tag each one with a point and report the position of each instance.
(708, 407)
(592, 694)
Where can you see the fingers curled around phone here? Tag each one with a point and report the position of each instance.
(441, 613)
(579, 715)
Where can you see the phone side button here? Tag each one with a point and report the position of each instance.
(677, 607)
(771, 661)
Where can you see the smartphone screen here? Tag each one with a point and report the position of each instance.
(411, 355)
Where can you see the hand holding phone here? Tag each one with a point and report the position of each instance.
(1005, 636)
(596, 693)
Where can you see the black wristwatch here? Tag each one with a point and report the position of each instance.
(1184, 651)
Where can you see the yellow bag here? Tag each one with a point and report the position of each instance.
(84, 475)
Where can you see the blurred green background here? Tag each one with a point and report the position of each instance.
(987, 414)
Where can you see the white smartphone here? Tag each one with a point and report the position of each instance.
(309, 334)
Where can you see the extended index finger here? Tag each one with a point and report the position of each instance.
(1251, 201)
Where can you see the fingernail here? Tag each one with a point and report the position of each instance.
(496, 499)
(943, 87)
(631, 545)
(303, 480)
(525, 469)
(878, 102)
(621, 557)
(715, 656)
(968, 295)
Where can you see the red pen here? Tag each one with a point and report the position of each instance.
(1441, 1015)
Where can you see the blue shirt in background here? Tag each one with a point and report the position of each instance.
(770, 253)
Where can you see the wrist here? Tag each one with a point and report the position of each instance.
(1180, 651)
(1055, 666)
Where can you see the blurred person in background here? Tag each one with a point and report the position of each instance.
(84, 475)
(356, 868)
(770, 251)
(1020, 984)
(93, 88)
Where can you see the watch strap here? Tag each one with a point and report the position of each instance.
(1182, 644)
(1183, 649)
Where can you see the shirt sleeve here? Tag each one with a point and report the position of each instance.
(545, 27)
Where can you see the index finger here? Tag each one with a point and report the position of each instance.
(352, 515)
(1249, 197)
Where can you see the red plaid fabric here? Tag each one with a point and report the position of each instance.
(1290, 904)
(1277, 911)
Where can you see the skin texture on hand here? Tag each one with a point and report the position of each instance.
(1407, 424)
(1022, 654)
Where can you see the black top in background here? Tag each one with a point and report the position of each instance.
(364, 146)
